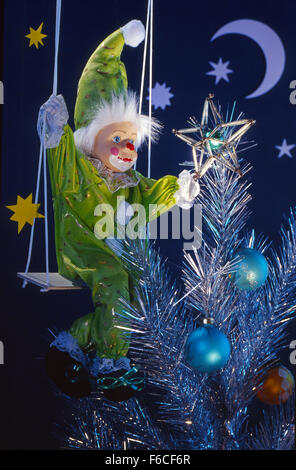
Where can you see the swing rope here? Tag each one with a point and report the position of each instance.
(42, 159)
(149, 21)
(45, 210)
(144, 58)
(57, 42)
(150, 91)
(33, 226)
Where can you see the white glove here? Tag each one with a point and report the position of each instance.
(188, 190)
(133, 33)
(54, 116)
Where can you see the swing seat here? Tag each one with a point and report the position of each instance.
(56, 281)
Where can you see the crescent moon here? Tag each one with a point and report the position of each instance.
(271, 45)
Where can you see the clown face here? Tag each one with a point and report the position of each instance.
(114, 146)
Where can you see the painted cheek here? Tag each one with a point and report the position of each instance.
(114, 151)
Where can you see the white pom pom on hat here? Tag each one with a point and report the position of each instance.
(133, 33)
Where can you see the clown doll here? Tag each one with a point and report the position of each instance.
(91, 167)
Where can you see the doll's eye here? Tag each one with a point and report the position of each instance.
(131, 141)
(116, 139)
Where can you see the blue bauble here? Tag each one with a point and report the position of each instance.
(252, 270)
(207, 349)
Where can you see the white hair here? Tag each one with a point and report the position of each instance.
(122, 108)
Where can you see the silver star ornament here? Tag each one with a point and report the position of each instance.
(216, 140)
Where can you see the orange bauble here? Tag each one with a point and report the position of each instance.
(277, 387)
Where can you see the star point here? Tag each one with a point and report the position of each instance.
(284, 149)
(36, 36)
(220, 70)
(25, 211)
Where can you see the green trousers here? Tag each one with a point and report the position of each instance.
(99, 329)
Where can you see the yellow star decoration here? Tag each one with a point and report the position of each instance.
(36, 36)
(25, 211)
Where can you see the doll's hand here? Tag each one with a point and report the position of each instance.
(188, 190)
(53, 116)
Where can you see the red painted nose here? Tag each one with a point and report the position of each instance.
(130, 146)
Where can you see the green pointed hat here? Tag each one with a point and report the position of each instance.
(104, 74)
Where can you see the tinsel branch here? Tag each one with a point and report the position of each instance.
(98, 424)
(224, 198)
(280, 292)
(253, 321)
(277, 429)
(206, 276)
(160, 328)
(267, 313)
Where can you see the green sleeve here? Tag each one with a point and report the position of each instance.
(158, 192)
(62, 162)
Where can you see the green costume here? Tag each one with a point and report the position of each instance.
(77, 189)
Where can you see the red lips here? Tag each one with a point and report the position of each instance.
(126, 159)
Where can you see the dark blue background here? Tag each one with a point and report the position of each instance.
(182, 51)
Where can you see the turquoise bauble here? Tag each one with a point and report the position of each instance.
(252, 270)
(207, 349)
(218, 136)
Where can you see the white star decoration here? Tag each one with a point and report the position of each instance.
(161, 96)
(220, 70)
(285, 149)
(216, 140)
